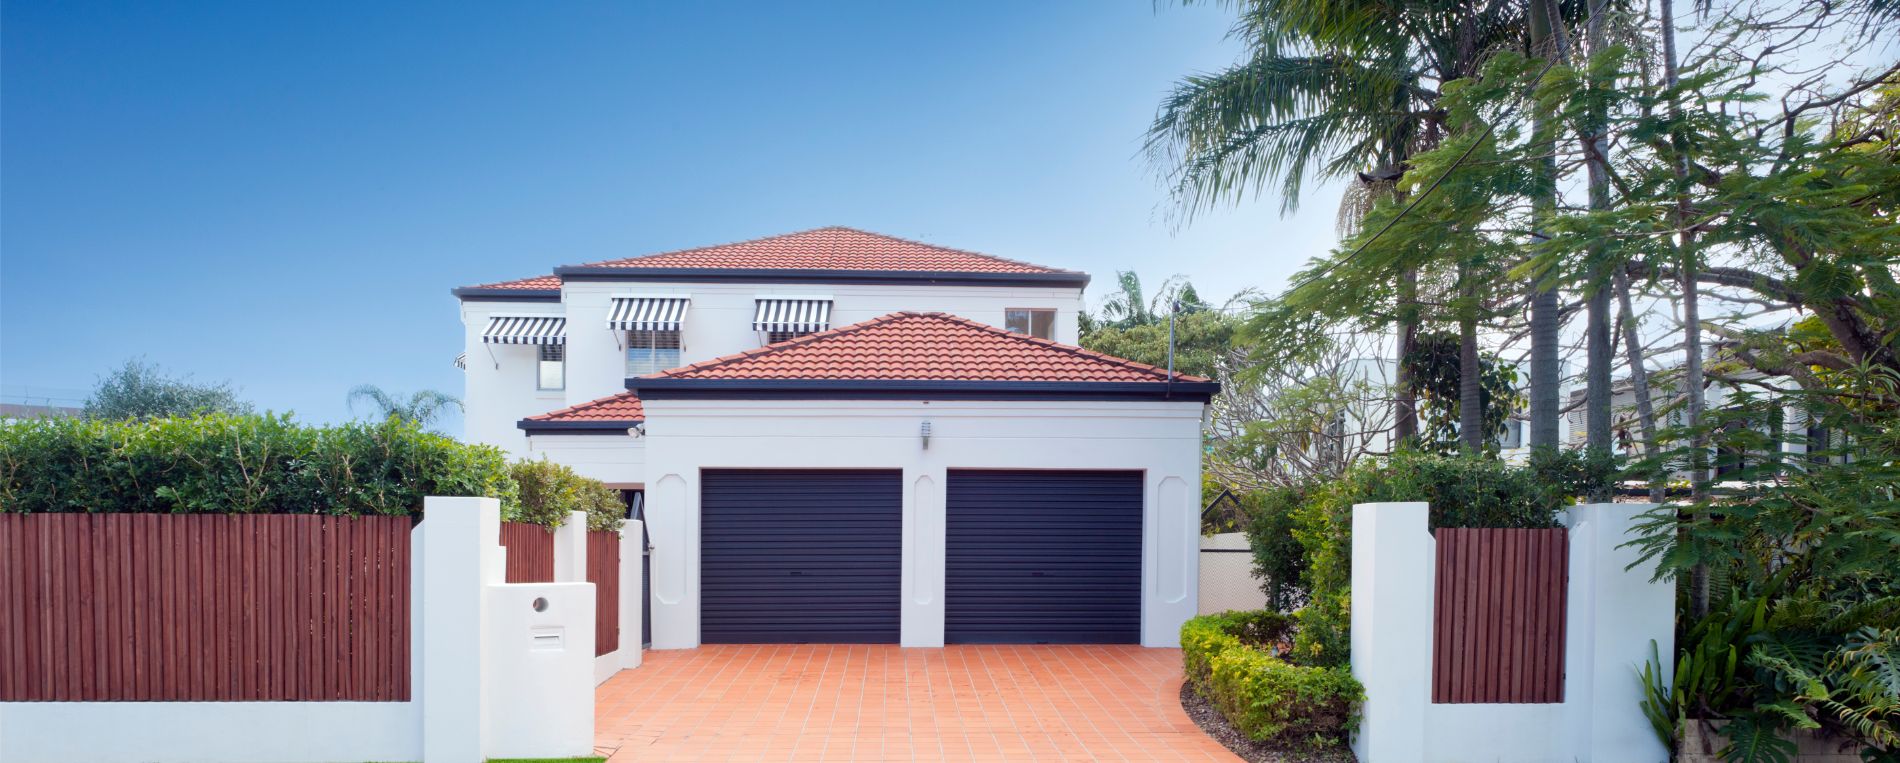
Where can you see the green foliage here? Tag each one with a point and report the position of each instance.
(548, 491)
(141, 390)
(1279, 561)
(1234, 659)
(237, 465)
(422, 407)
(1201, 339)
(1435, 381)
(1463, 492)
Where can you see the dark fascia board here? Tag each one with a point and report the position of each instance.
(889, 389)
(477, 294)
(533, 427)
(754, 275)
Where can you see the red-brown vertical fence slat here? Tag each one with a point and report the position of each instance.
(1499, 609)
(530, 552)
(119, 607)
(603, 570)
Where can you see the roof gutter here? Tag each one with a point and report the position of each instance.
(479, 294)
(539, 426)
(674, 388)
(768, 275)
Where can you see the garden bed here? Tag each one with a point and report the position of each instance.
(1215, 725)
(1245, 693)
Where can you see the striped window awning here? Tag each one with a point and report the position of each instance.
(792, 314)
(526, 329)
(648, 313)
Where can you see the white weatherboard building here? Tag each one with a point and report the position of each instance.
(838, 436)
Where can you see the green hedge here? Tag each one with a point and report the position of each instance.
(1233, 659)
(243, 464)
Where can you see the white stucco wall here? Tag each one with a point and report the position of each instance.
(1162, 439)
(718, 322)
(618, 460)
(499, 384)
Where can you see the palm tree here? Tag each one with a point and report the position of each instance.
(1346, 89)
(421, 408)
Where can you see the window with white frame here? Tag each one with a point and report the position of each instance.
(1036, 322)
(552, 373)
(774, 337)
(651, 350)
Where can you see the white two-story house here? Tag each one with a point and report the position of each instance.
(836, 435)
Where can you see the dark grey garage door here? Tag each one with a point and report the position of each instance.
(790, 557)
(1038, 557)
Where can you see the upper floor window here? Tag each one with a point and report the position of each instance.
(774, 337)
(552, 371)
(1036, 322)
(651, 350)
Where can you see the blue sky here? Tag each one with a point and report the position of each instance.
(282, 194)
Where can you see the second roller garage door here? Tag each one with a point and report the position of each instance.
(811, 556)
(1043, 557)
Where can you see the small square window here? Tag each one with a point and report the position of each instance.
(553, 367)
(774, 337)
(652, 351)
(1039, 323)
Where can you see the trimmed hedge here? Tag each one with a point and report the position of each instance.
(242, 464)
(1233, 660)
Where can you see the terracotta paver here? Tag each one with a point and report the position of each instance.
(885, 703)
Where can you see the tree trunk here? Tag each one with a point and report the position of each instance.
(1470, 375)
(1639, 385)
(1405, 402)
(1545, 309)
(1601, 351)
(1691, 310)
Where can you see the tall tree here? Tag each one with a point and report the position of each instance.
(423, 407)
(141, 390)
(1545, 28)
(1347, 89)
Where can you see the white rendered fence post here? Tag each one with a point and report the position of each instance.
(632, 551)
(570, 549)
(1392, 576)
(461, 555)
(1618, 611)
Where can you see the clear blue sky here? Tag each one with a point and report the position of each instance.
(282, 194)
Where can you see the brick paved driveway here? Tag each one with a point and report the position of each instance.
(883, 703)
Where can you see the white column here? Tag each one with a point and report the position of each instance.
(596, 365)
(632, 547)
(1393, 567)
(460, 557)
(570, 549)
(1619, 613)
(921, 616)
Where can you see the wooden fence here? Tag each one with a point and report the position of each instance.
(530, 552)
(603, 570)
(204, 607)
(1498, 624)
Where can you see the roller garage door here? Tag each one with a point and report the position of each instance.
(792, 557)
(1038, 557)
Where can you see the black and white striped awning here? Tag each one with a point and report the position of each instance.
(526, 329)
(793, 314)
(647, 313)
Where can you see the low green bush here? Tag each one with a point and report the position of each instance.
(1234, 660)
(548, 491)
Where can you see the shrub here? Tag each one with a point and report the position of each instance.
(1230, 659)
(1278, 559)
(1462, 491)
(549, 491)
(238, 464)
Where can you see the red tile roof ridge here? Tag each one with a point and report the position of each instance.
(621, 261)
(625, 398)
(549, 281)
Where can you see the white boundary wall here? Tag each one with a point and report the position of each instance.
(482, 683)
(1613, 616)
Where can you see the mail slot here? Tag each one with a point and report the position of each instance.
(546, 638)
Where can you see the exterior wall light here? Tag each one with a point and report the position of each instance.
(926, 434)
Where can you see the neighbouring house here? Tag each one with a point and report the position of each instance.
(840, 436)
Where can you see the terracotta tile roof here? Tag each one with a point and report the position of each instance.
(923, 347)
(623, 407)
(833, 248)
(545, 282)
